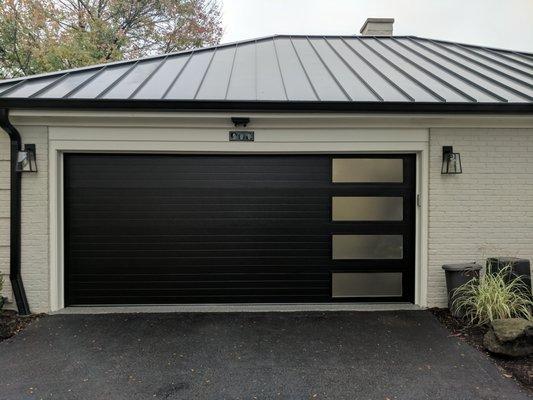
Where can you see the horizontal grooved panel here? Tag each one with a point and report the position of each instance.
(177, 229)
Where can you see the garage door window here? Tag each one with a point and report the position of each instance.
(367, 170)
(362, 284)
(367, 208)
(367, 247)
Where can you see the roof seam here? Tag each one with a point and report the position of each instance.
(305, 71)
(401, 71)
(508, 58)
(231, 71)
(147, 79)
(377, 71)
(498, 62)
(453, 73)
(438, 78)
(280, 71)
(256, 77)
(13, 87)
(50, 85)
(365, 83)
(178, 74)
(205, 74)
(473, 71)
(329, 71)
(84, 83)
(528, 57)
(476, 46)
(5, 86)
(474, 61)
(116, 81)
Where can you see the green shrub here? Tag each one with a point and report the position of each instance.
(496, 295)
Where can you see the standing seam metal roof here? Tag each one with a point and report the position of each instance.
(300, 69)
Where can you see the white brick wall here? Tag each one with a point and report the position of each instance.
(35, 269)
(486, 211)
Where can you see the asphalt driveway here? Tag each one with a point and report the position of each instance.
(333, 355)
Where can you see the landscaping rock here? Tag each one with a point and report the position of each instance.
(510, 337)
(507, 330)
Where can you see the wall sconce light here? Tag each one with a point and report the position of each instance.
(240, 121)
(451, 162)
(27, 159)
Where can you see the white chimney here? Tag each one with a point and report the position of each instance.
(377, 27)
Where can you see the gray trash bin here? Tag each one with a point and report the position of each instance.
(457, 275)
(520, 267)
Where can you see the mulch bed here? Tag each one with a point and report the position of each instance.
(11, 323)
(519, 368)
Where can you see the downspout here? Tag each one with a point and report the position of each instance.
(15, 216)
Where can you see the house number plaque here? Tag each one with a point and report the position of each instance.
(241, 136)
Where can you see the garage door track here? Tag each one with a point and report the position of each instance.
(333, 355)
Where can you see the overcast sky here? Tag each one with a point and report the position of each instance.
(497, 23)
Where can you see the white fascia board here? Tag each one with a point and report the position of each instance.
(272, 120)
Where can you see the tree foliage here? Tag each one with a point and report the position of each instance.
(48, 35)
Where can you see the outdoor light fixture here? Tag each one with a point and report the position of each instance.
(27, 160)
(240, 121)
(451, 162)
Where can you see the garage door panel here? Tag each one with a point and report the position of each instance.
(91, 265)
(184, 240)
(292, 195)
(199, 253)
(216, 227)
(197, 275)
(191, 206)
(202, 299)
(177, 216)
(281, 272)
(211, 295)
(176, 229)
(248, 288)
(180, 178)
(220, 227)
(178, 245)
(136, 265)
(199, 165)
(208, 187)
(218, 286)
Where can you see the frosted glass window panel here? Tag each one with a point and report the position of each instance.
(366, 284)
(367, 170)
(367, 247)
(367, 208)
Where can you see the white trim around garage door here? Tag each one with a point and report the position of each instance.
(64, 139)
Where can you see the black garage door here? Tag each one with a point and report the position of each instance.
(145, 229)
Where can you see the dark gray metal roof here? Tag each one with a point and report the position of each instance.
(332, 69)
